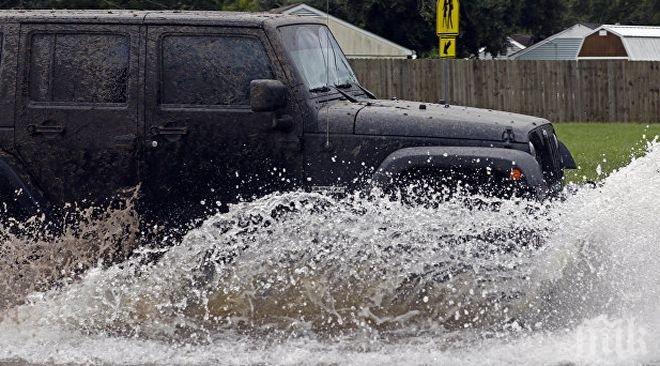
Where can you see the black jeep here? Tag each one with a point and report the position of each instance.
(206, 108)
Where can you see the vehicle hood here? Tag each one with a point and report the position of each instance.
(413, 119)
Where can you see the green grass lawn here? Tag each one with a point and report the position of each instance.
(610, 145)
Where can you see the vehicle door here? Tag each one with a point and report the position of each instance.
(205, 146)
(77, 108)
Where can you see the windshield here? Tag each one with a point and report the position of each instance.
(317, 56)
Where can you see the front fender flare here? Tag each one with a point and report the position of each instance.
(461, 158)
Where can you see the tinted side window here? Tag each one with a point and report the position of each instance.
(211, 70)
(79, 68)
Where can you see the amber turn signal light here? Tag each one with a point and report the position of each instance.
(516, 174)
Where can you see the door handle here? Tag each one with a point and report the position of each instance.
(171, 134)
(45, 130)
(169, 131)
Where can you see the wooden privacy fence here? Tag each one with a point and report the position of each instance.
(561, 91)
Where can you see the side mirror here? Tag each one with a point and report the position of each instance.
(267, 95)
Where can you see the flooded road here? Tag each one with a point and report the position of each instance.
(303, 278)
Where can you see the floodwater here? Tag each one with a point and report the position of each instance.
(299, 278)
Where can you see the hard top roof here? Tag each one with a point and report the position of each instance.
(149, 17)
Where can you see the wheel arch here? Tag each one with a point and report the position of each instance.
(464, 159)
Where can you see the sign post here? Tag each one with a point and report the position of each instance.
(447, 29)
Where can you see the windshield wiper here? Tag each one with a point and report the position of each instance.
(325, 88)
(346, 95)
(320, 89)
(367, 92)
(345, 85)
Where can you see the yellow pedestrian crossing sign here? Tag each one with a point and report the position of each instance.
(448, 47)
(448, 17)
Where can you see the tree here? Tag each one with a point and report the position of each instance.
(543, 18)
(486, 24)
(634, 12)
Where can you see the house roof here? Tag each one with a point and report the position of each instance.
(524, 39)
(633, 30)
(572, 35)
(591, 25)
(303, 9)
(512, 46)
(515, 43)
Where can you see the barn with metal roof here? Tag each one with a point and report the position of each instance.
(625, 42)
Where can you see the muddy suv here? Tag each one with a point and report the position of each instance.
(206, 108)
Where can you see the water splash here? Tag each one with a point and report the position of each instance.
(306, 278)
(35, 255)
